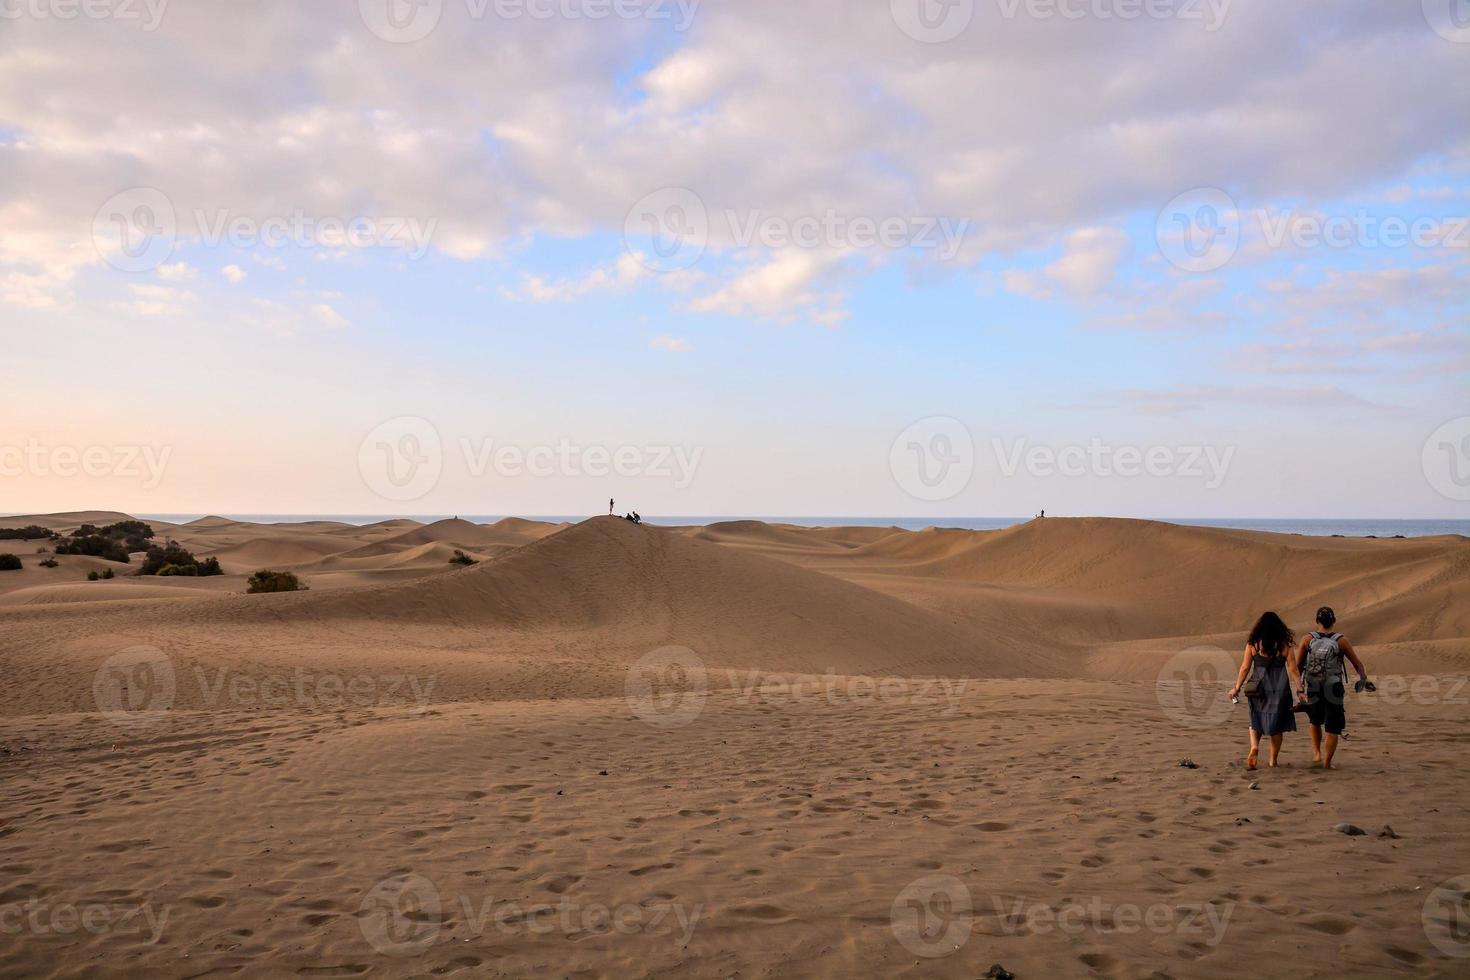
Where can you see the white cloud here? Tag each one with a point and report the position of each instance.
(621, 274)
(234, 274)
(1087, 265)
(177, 272)
(502, 130)
(666, 342)
(1089, 260)
(328, 317)
(151, 299)
(783, 285)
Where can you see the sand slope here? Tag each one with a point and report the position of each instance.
(508, 743)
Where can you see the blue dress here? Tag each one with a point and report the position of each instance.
(1271, 706)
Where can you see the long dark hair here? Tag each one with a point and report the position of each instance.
(1271, 636)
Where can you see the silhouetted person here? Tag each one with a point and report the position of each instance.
(610, 503)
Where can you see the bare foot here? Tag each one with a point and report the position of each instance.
(1250, 761)
(1316, 763)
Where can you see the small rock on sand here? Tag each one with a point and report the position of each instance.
(1349, 829)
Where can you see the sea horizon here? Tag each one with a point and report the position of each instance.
(1315, 527)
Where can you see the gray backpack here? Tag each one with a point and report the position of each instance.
(1324, 658)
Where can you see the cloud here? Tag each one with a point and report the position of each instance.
(783, 286)
(1087, 265)
(1187, 399)
(234, 274)
(328, 317)
(665, 342)
(502, 130)
(177, 272)
(151, 299)
(1089, 260)
(625, 272)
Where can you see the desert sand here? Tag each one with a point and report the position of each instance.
(740, 750)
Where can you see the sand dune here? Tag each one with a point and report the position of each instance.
(628, 589)
(1044, 598)
(455, 533)
(510, 743)
(276, 551)
(761, 535)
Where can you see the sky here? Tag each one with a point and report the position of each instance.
(1149, 258)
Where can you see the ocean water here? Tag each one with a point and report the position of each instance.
(1324, 527)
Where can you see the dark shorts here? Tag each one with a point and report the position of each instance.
(1326, 710)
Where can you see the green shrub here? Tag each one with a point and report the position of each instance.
(113, 542)
(266, 580)
(50, 563)
(96, 546)
(460, 558)
(31, 532)
(176, 556)
(93, 576)
(10, 563)
(107, 573)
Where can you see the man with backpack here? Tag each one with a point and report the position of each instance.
(1323, 690)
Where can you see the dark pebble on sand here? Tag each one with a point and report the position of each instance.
(1187, 764)
(998, 972)
(1349, 829)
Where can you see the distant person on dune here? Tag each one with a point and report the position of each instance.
(1322, 684)
(1267, 675)
(610, 503)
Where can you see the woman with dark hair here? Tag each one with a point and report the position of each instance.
(1268, 676)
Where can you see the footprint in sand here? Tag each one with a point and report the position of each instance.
(558, 884)
(1331, 925)
(763, 913)
(1406, 956)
